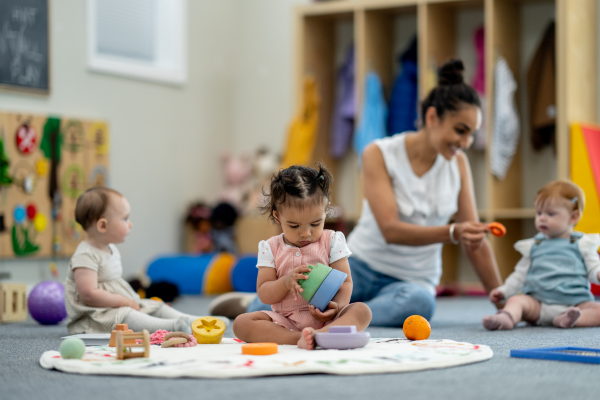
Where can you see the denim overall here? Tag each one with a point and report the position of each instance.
(557, 274)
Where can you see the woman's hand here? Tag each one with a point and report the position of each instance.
(496, 296)
(470, 233)
(291, 280)
(329, 314)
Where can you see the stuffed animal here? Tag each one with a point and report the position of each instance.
(238, 171)
(222, 219)
(265, 164)
(199, 219)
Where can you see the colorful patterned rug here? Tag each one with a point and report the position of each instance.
(225, 360)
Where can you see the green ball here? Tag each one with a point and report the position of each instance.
(72, 348)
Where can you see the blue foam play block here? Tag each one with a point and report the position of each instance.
(184, 271)
(328, 289)
(244, 274)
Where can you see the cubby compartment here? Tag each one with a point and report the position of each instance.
(324, 38)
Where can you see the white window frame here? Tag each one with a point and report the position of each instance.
(172, 37)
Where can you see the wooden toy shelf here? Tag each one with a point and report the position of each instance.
(380, 29)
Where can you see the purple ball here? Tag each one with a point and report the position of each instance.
(46, 303)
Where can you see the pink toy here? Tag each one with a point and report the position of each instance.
(237, 174)
(158, 337)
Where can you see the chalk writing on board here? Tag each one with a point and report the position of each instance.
(24, 44)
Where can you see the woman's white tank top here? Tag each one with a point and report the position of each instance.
(429, 200)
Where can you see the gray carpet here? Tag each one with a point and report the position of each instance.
(502, 377)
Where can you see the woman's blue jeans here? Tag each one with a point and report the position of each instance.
(391, 300)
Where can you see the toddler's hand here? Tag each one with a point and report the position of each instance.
(496, 296)
(291, 280)
(329, 314)
(131, 303)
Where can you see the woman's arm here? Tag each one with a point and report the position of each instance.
(86, 281)
(482, 256)
(380, 195)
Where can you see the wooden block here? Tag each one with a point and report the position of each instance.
(13, 302)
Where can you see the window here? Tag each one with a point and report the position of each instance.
(144, 39)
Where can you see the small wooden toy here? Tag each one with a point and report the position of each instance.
(173, 338)
(497, 229)
(113, 335)
(13, 302)
(321, 286)
(208, 330)
(123, 350)
(573, 354)
(342, 338)
(259, 349)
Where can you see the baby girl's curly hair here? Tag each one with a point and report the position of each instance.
(298, 186)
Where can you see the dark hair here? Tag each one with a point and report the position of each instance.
(450, 92)
(92, 205)
(296, 186)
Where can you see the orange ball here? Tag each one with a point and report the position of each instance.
(416, 328)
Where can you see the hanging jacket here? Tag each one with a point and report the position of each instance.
(480, 138)
(506, 128)
(342, 124)
(374, 115)
(404, 98)
(302, 134)
(541, 91)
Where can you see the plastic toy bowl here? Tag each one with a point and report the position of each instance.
(208, 330)
(342, 338)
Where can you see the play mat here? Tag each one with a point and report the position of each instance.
(225, 360)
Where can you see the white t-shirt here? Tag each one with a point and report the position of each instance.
(428, 200)
(339, 250)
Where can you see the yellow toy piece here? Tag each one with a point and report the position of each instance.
(41, 167)
(156, 299)
(208, 330)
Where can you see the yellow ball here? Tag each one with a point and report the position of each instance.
(208, 330)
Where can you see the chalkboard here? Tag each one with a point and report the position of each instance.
(24, 51)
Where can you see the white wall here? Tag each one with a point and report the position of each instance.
(165, 140)
(263, 87)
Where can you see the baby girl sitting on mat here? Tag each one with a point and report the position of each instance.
(555, 271)
(96, 296)
(298, 201)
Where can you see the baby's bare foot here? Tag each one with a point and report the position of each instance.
(499, 322)
(568, 318)
(307, 340)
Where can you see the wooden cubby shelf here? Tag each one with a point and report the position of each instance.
(381, 29)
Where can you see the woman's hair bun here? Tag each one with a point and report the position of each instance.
(451, 73)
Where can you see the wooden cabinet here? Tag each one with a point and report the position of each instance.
(379, 29)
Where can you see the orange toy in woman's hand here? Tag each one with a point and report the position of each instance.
(497, 229)
(416, 328)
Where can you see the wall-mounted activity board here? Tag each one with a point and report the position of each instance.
(46, 162)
